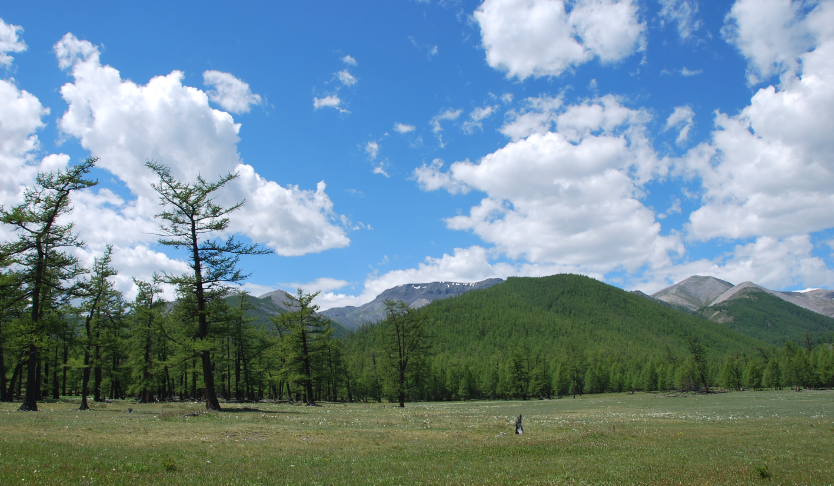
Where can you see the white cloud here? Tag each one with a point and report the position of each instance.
(769, 170)
(683, 13)
(687, 73)
(403, 128)
(10, 42)
(775, 263)
(772, 34)
(475, 118)
(681, 118)
(569, 197)
(372, 149)
(430, 178)
(536, 116)
(20, 119)
(126, 124)
(380, 169)
(346, 78)
(323, 284)
(350, 61)
(446, 115)
(229, 92)
(542, 38)
(331, 101)
(507, 98)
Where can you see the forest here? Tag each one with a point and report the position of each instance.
(67, 332)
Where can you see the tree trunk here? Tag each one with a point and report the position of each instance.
(3, 397)
(55, 388)
(15, 377)
(85, 381)
(208, 386)
(66, 358)
(30, 401)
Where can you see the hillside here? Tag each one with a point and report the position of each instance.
(415, 295)
(267, 306)
(764, 316)
(550, 314)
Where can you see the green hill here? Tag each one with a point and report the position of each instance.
(769, 318)
(551, 336)
(549, 314)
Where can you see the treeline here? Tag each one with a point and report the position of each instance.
(567, 334)
(66, 330)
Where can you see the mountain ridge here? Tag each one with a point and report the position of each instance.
(416, 295)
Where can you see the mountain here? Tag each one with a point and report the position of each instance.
(415, 295)
(550, 316)
(693, 293)
(270, 305)
(757, 312)
(820, 301)
(751, 309)
(697, 292)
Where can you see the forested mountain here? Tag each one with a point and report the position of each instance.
(415, 295)
(769, 318)
(561, 334)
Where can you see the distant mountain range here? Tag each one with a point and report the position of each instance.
(697, 292)
(751, 309)
(415, 295)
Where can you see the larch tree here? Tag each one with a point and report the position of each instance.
(47, 270)
(190, 219)
(406, 341)
(305, 338)
(101, 305)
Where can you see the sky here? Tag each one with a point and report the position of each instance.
(382, 143)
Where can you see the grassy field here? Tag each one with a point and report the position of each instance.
(729, 438)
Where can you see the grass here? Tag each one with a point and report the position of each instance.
(731, 438)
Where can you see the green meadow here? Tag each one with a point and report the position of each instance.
(764, 437)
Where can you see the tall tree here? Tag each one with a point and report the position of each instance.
(305, 337)
(406, 341)
(146, 313)
(189, 218)
(101, 303)
(46, 268)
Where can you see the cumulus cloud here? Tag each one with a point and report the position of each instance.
(126, 124)
(768, 171)
(21, 116)
(475, 117)
(230, 93)
(544, 38)
(775, 263)
(683, 13)
(10, 42)
(772, 34)
(681, 119)
(403, 128)
(569, 197)
(430, 178)
(350, 61)
(346, 78)
(537, 115)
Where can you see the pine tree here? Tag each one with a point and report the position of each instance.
(47, 270)
(189, 218)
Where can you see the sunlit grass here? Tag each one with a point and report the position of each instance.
(731, 438)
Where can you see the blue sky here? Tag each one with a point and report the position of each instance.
(382, 143)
